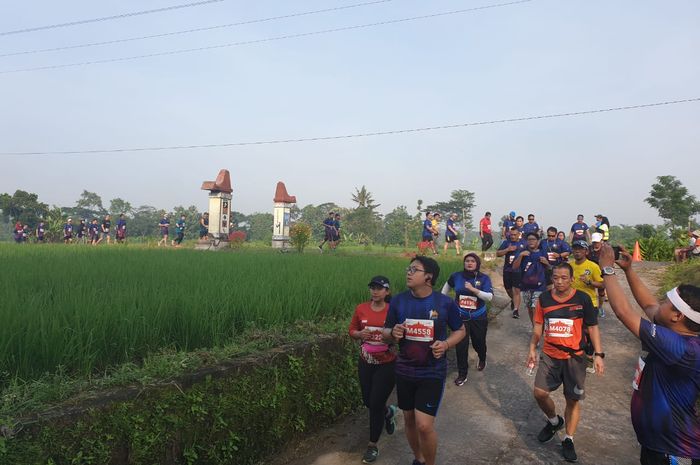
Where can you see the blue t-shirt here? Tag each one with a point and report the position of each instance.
(121, 225)
(164, 226)
(470, 306)
(427, 229)
(92, 229)
(507, 224)
(448, 231)
(532, 272)
(579, 230)
(663, 406)
(427, 320)
(531, 227)
(180, 226)
(511, 256)
(68, 229)
(556, 246)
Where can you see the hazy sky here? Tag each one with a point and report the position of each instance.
(535, 58)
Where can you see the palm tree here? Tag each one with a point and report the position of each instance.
(363, 198)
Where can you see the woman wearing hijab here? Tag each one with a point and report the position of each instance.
(472, 290)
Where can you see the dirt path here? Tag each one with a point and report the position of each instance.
(493, 418)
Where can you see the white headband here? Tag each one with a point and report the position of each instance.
(681, 306)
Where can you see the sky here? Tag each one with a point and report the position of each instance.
(534, 58)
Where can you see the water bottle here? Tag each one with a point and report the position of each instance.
(530, 368)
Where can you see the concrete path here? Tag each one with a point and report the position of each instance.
(493, 418)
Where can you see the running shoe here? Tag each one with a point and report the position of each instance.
(460, 380)
(390, 419)
(568, 450)
(516, 314)
(481, 366)
(601, 312)
(416, 462)
(590, 369)
(370, 454)
(320, 249)
(547, 433)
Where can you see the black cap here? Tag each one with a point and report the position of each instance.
(582, 244)
(380, 281)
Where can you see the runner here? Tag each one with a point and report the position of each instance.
(82, 231)
(531, 263)
(40, 232)
(531, 225)
(376, 364)
(204, 227)
(560, 315)
(418, 320)
(428, 230)
(452, 235)
(180, 231)
(579, 231)
(667, 380)
(68, 231)
(593, 255)
(94, 232)
(472, 290)
(328, 224)
(336, 231)
(508, 223)
(105, 227)
(557, 251)
(121, 229)
(520, 224)
(17, 232)
(602, 226)
(164, 224)
(485, 233)
(437, 217)
(511, 278)
(26, 232)
(587, 277)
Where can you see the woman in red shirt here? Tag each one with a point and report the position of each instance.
(376, 363)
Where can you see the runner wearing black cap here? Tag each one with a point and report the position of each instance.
(376, 363)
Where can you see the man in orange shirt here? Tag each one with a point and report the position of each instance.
(560, 314)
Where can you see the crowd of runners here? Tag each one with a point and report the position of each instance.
(96, 231)
(562, 283)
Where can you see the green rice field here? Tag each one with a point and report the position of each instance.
(82, 310)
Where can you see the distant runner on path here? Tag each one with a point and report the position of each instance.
(472, 290)
(667, 380)
(94, 232)
(531, 263)
(180, 231)
(376, 363)
(508, 223)
(579, 231)
(428, 232)
(531, 225)
(557, 251)
(561, 315)
(485, 232)
(418, 320)
(121, 229)
(164, 225)
(105, 228)
(452, 235)
(204, 227)
(509, 249)
(68, 231)
(328, 225)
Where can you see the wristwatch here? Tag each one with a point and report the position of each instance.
(608, 271)
(600, 354)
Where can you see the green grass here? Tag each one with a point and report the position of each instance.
(85, 310)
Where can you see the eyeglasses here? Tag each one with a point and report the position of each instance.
(413, 269)
(551, 235)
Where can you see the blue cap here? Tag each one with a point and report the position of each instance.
(512, 213)
(582, 244)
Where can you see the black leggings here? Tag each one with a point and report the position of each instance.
(377, 382)
(486, 242)
(476, 329)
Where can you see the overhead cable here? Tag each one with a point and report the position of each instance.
(108, 18)
(188, 31)
(358, 135)
(258, 41)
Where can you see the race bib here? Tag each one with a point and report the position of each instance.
(467, 302)
(559, 327)
(638, 374)
(511, 259)
(420, 330)
(579, 232)
(375, 335)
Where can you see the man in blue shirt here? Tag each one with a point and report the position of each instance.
(508, 223)
(531, 225)
(428, 232)
(579, 231)
(532, 263)
(180, 231)
(509, 249)
(451, 234)
(121, 229)
(328, 225)
(40, 231)
(557, 251)
(68, 231)
(418, 320)
(667, 381)
(164, 225)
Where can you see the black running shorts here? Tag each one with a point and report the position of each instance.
(419, 394)
(511, 279)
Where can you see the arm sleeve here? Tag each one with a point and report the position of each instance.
(446, 289)
(486, 289)
(668, 345)
(488, 296)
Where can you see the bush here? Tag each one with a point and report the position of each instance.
(300, 234)
(684, 273)
(236, 239)
(657, 248)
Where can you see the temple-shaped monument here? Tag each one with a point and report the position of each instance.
(281, 212)
(219, 207)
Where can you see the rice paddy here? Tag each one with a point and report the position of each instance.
(83, 309)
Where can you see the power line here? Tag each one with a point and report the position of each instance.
(357, 135)
(258, 41)
(188, 31)
(108, 18)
